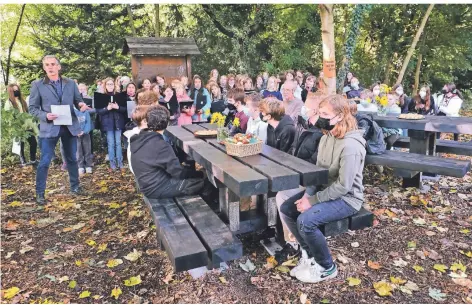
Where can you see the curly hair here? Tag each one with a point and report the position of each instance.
(157, 117)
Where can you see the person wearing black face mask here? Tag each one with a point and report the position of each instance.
(17, 103)
(281, 128)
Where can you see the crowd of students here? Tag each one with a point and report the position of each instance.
(290, 112)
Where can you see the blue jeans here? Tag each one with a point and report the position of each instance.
(305, 226)
(47, 146)
(114, 148)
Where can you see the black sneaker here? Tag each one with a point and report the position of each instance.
(40, 200)
(78, 192)
(287, 252)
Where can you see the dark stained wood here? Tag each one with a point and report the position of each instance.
(184, 248)
(181, 137)
(188, 62)
(421, 163)
(221, 244)
(280, 177)
(442, 146)
(193, 127)
(310, 174)
(208, 125)
(431, 123)
(160, 46)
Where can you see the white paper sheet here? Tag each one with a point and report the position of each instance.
(63, 113)
(130, 106)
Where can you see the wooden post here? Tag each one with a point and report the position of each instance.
(327, 35)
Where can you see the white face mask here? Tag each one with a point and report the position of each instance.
(355, 86)
(423, 94)
(399, 91)
(376, 92)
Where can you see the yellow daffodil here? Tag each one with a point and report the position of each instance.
(236, 122)
(384, 101)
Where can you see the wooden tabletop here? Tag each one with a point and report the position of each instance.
(433, 123)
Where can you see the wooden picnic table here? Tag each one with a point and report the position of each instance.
(423, 136)
(237, 179)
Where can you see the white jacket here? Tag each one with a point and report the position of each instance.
(258, 128)
(452, 108)
(129, 134)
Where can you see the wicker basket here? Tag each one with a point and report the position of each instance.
(243, 150)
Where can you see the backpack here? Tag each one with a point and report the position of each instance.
(375, 144)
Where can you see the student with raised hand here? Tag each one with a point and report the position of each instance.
(156, 167)
(423, 102)
(201, 100)
(281, 128)
(112, 121)
(17, 103)
(342, 152)
(272, 89)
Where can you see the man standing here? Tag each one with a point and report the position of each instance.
(55, 90)
(293, 106)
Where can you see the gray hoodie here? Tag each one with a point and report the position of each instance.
(344, 158)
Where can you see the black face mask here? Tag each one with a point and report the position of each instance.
(444, 91)
(231, 107)
(262, 117)
(323, 123)
(16, 93)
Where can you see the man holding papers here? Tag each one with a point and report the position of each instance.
(52, 100)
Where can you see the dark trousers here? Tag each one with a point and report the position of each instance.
(305, 226)
(33, 144)
(178, 187)
(48, 146)
(84, 151)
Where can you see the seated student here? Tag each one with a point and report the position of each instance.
(306, 149)
(281, 129)
(255, 125)
(423, 103)
(236, 102)
(353, 90)
(156, 167)
(392, 134)
(366, 102)
(343, 154)
(309, 87)
(139, 118)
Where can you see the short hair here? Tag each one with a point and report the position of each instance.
(237, 94)
(140, 113)
(148, 97)
(157, 117)
(292, 82)
(253, 99)
(272, 106)
(51, 56)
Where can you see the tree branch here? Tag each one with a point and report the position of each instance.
(13, 43)
(218, 25)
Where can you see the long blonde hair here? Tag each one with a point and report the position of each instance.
(340, 105)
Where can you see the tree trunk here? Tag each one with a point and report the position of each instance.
(327, 36)
(417, 73)
(388, 68)
(131, 20)
(413, 45)
(8, 64)
(156, 20)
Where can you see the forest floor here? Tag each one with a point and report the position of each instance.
(102, 248)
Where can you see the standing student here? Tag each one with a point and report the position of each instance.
(224, 86)
(201, 100)
(112, 121)
(161, 82)
(171, 103)
(299, 78)
(56, 90)
(272, 89)
(214, 74)
(146, 84)
(255, 125)
(84, 141)
(17, 103)
(248, 86)
(184, 81)
(125, 80)
(155, 88)
(342, 151)
(186, 113)
(281, 128)
(217, 102)
(259, 84)
(309, 86)
(231, 81)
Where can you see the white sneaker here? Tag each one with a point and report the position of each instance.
(88, 170)
(81, 171)
(315, 273)
(303, 263)
(107, 158)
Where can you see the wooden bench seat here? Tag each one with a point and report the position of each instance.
(442, 146)
(421, 163)
(183, 247)
(221, 244)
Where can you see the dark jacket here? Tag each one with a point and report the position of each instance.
(114, 119)
(412, 106)
(282, 137)
(363, 122)
(154, 162)
(407, 101)
(307, 144)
